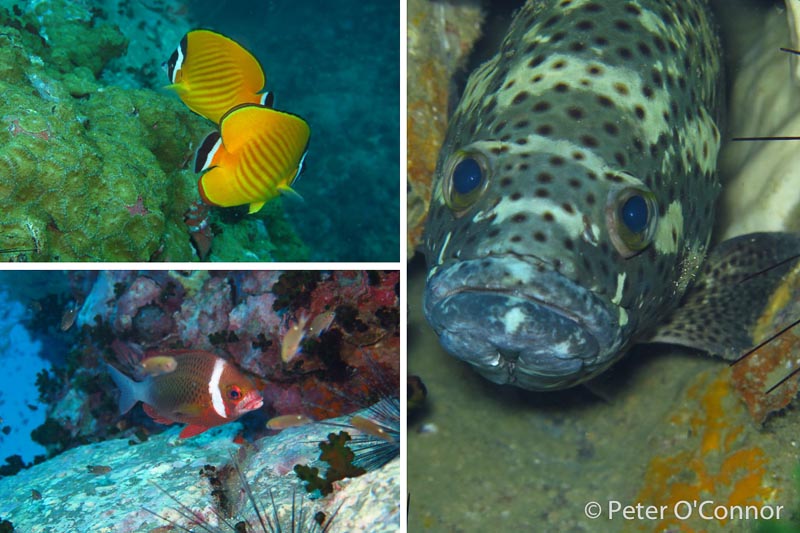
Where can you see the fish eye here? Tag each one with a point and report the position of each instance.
(631, 215)
(234, 393)
(466, 177)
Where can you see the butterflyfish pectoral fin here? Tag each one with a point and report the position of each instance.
(255, 207)
(179, 88)
(288, 191)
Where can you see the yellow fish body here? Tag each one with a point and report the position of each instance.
(257, 154)
(213, 74)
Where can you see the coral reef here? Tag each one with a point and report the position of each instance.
(440, 36)
(91, 171)
(99, 460)
(241, 316)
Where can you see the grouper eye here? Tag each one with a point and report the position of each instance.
(466, 177)
(631, 215)
(634, 213)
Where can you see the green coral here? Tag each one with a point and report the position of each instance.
(340, 458)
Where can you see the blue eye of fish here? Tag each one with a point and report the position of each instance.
(466, 180)
(467, 176)
(634, 213)
(631, 218)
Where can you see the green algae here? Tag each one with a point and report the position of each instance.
(91, 172)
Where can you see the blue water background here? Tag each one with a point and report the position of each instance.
(24, 353)
(336, 64)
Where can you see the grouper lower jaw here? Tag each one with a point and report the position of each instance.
(517, 324)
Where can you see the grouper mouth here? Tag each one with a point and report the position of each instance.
(519, 323)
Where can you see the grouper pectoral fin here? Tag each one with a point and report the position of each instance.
(719, 312)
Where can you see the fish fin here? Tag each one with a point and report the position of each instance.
(288, 191)
(255, 207)
(179, 87)
(191, 431)
(157, 418)
(128, 389)
(720, 311)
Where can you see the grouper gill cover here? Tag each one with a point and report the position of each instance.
(574, 194)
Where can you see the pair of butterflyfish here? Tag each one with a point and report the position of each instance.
(258, 151)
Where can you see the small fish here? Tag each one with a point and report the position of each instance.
(257, 154)
(98, 469)
(212, 74)
(574, 196)
(290, 346)
(36, 495)
(288, 421)
(158, 365)
(370, 427)
(203, 391)
(321, 323)
(69, 316)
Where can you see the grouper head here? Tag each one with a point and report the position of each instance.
(573, 197)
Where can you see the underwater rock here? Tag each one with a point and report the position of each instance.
(761, 193)
(758, 375)
(112, 497)
(440, 37)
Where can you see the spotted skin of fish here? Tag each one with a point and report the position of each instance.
(574, 195)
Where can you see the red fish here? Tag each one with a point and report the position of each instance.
(202, 391)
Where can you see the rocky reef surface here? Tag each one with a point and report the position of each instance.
(94, 164)
(106, 487)
(440, 38)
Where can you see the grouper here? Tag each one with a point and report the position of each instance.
(574, 197)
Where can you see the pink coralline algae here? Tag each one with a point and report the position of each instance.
(137, 209)
(141, 292)
(16, 129)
